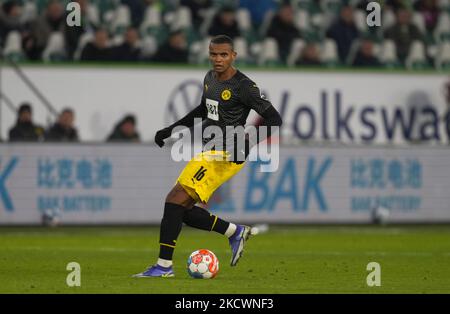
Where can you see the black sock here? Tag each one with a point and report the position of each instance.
(170, 229)
(200, 218)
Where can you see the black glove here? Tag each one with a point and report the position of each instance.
(161, 135)
(241, 153)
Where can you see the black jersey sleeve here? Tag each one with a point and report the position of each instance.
(263, 107)
(197, 112)
(251, 96)
(189, 119)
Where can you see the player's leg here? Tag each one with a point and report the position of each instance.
(199, 218)
(208, 176)
(237, 234)
(177, 202)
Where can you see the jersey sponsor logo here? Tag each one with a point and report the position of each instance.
(213, 109)
(226, 94)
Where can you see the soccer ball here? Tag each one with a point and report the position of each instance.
(203, 264)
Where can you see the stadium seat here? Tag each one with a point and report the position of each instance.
(40, 5)
(93, 14)
(416, 58)
(419, 20)
(244, 20)
(266, 23)
(117, 39)
(241, 48)
(301, 20)
(149, 46)
(321, 21)
(152, 24)
(312, 26)
(296, 50)
(360, 17)
(444, 4)
(199, 51)
(442, 61)
(55, 49)
(269, 54)
(152, 19)
(354, 48)
(388, 54)
(82, 42)
(182, 19)
(442, 30)
(331, 6)
(388, 19)
(328, 53)
(208, 18)
(29, 11)
(122, 19)
(13, 47)
(310, 6)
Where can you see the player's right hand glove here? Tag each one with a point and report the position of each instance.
(161, 135)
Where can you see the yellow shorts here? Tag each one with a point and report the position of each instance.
(205, 173)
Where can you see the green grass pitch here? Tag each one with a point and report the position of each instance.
(286, 259)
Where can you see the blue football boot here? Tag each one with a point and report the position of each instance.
(237, 242)
(157, 271)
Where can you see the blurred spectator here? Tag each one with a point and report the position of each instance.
(98, 50)
(63, 130)
(343, 32)
(430, 11)
(403, 33)
(25, 130)
(362, 4)
(224, 23)
(396, 5)
(52, 20)
(129, 50)
(283, 29)
(310, 56)
(258, 9)
(174, 50)
(198, 9)
(10, 13)
(125, 131)
(137, 10)
(365, 56)
(72, 34)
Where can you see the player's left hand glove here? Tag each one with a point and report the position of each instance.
(161, 135)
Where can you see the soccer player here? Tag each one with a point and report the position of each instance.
(228, 96)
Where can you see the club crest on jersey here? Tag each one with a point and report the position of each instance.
(226, 94)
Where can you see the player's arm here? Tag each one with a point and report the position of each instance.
(252, 98)
(186, 121)
(264, 108)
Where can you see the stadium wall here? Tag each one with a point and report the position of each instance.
(107, 184)
(341, 107)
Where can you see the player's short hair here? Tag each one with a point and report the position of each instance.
(222, 39)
